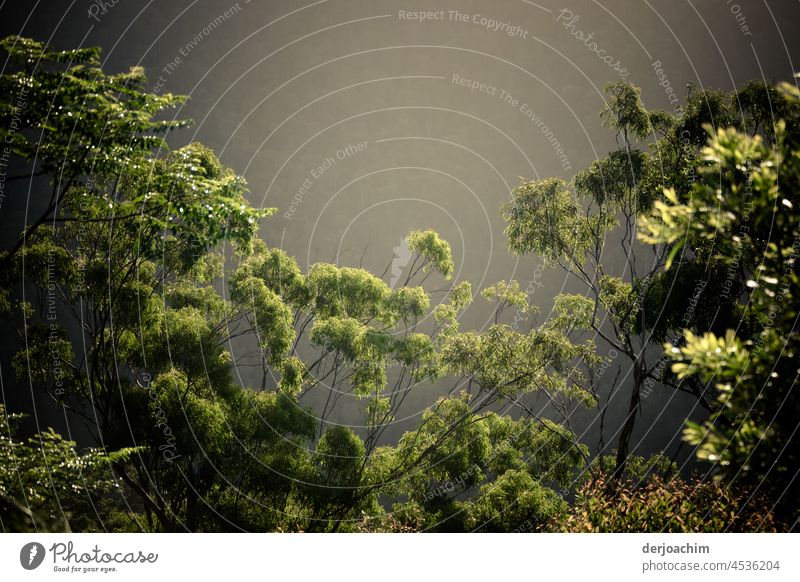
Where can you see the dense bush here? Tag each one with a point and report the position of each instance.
(670, 505)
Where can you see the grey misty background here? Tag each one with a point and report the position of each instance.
(279, 87)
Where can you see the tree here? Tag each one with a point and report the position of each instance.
(520, 467)
(742, 213)
(66, 120)
(634, 308)
(127, 330)
(147, 291)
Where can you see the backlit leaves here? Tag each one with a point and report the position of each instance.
(433, 252)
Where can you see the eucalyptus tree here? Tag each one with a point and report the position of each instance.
(147, 291)
(377, 344)
(744, 207)
(124, 325)
(632, 308)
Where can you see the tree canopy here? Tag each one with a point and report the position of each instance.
(148, 275)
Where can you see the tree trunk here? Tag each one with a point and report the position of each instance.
(630, 422)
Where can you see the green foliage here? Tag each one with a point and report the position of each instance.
(510, 362)
(339, 493)
(432, 252)
(450, 444)
(341, 454)
(624, 110)
(762, 105)
(515, 501)
(638, 469)
(190, 195)
(703, 109)
(515, 463)
(137, 303)
(612, 181)
(619, 299)
(46, 483)
(347, 292)
(461, 295)
(446, 314)
(272, 318)
(545, 449)
(408, 303)
(544, 218)
(278, 271)
(509, 294)
(572, 312)
(708, 208)
(84, 121)
(745, 210)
